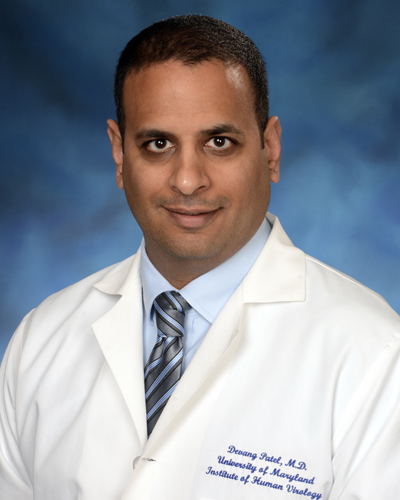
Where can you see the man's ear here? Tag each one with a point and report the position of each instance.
(114, 135)
(272, 144)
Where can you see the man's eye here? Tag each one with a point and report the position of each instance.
(219, 143)
(159, 145)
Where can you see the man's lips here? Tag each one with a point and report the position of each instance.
(193, 218)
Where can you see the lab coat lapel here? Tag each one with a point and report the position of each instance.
(119, 333)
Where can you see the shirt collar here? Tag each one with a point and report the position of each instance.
(208, 293)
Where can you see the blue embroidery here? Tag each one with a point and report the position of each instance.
(231, 463)
(232, 449)
(257, 480)
(311, 494)
(257, 465)
(222, 473)
(292, 463)
(297, 477)
(264, 456)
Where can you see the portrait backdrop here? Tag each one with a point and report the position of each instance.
(334, 73)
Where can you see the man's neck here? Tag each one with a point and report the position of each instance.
(180, 271)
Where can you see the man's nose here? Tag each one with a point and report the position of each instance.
(189, 174)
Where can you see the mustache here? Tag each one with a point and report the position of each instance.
(191, 201)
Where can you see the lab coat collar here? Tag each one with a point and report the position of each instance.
(123, 279)
(279, 273)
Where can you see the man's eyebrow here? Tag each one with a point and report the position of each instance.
(151, 133)
(222, 128)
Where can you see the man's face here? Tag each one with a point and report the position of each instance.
(194, 173)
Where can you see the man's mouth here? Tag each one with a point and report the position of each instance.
(193, 218)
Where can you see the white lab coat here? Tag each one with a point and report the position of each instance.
(294, 393)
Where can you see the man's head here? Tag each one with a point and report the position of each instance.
(195, 175)
(193, 39)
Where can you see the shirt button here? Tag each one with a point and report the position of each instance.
(135, 462)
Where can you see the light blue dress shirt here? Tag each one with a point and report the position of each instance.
(207, 294)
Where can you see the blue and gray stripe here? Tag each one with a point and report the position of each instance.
(164, 367)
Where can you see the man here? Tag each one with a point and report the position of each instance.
(219, 361)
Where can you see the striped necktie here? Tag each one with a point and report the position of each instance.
(164, 367)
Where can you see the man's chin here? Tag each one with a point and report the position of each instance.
(188, 253)
(188, 250)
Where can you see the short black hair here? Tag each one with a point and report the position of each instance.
(193, 39)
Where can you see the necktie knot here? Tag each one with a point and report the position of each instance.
(169, 308)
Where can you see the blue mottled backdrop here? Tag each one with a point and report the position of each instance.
(334, 69)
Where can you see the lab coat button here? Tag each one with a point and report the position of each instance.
(135, 462)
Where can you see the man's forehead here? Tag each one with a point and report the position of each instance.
(235, 73)
(208, 93)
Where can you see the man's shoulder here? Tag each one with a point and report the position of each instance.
(335, 281)
(284, 274)
(83, 298)
(322, 285)
(341, 296)
(79, 290)
(63, 321)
